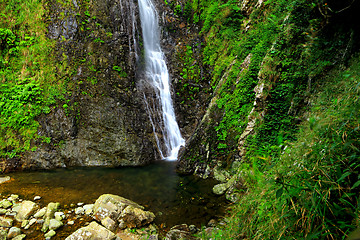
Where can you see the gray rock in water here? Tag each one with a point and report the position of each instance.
(91, 232)
(27, 208)
(13, 232)
(4, 179)
(3, 211)
(6, 222)
(55, 224)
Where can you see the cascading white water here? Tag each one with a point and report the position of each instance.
(160, 108)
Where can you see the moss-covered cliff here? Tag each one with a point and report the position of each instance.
(281, 126)
(68, 85)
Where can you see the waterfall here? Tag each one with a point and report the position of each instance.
(157, 94)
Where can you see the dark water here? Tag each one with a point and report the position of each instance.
(174, 199)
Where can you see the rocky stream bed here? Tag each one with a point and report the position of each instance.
(110, 217)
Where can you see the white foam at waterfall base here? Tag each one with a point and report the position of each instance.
(157, 76)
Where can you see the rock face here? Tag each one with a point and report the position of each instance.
(102, 121)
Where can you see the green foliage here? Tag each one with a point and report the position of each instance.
(312, 190)
(27, 75)
(121, 72)
(302, 180)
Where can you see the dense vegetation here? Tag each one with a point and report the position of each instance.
(300, 172)
(28, 85)
(301, 166)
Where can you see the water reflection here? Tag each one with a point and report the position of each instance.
(174, 199)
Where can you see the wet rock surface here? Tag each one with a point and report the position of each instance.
(102, 121)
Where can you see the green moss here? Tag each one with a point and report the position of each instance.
(28, 82)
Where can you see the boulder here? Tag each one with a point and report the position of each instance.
(136, 217)
(109, 205)
(93, 231)
(6, 222)
(27, 208)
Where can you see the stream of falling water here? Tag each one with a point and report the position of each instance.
(160, 107)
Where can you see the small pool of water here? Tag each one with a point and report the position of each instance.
(173, 198)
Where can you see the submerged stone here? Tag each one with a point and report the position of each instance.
(4, 179)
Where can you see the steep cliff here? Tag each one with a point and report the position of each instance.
(281, 129)
(98, 117)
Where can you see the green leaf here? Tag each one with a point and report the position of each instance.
(279, 192)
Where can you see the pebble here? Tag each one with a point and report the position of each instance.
(13, 197)
(37, 198)
(71, 222)
(31, 222)
(80, 204)
(79, 210)
(24, 223)
(50, 234)
(40, 213)
(59, 216)
(88, 208)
